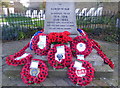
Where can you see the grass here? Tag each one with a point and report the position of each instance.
(3, 20)
(22, 21)
(82, 22)
(30, 23)
(16, 19)
(95, 20)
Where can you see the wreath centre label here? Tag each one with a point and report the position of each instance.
(60, 53)
(81, 72)
(42, 42)
(81, 46)
(34, 70)
(23, 56)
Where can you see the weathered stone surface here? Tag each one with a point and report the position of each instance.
(9, 48)
(48, 82)
(100, 71)
(60, 16)
(59, 81)
(99, 83)
(94, 58)
(69, 81)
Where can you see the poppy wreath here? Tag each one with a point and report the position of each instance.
(59, 38)
(81, 80)
(102, 55)
(28, 78)
(96, 46)
(81, 41)
(65, 62)
(35, 47)
(33, 38)
(12, 59)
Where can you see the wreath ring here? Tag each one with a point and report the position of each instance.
(30, 79)
(64, 62)
(16, 59)
(81, 41)
(81, 77)
(35, 47)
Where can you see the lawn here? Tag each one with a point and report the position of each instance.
(15, 20)
(95, 20)
(82, 22)
(39, 23)
(2, 20)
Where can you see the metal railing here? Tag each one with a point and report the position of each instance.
(20, 24)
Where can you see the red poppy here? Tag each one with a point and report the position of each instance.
(62, 37)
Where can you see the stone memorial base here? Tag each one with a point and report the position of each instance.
(101, 70)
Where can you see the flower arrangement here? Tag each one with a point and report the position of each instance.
(16, 59)
(64, 62)
(59, 38)
(102, 55)
(82, 76)
(19, 58)
(44, 47)
(30, 79)
(59, 56)
(33, 39)
(81, 46)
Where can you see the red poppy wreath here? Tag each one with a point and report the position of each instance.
(18, 58)
(41, 44)
(59, 38)
(59, 56)
(81, 45)
(34, 72)
(81, 72)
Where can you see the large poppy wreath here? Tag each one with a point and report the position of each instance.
(81, 45)
(19, 58)
(34, 75)
(102, 55)
(81, 72)
(41, 44)
(59, 60)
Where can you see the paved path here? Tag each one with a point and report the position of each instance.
(110, 49)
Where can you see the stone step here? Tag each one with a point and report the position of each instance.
(11, 72)
(49, 81)
(93, 58)
(100, 71)
(56, 76)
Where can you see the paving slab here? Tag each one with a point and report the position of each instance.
(59, 81)
(99, 83)
(48, 82)
(9, 48)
